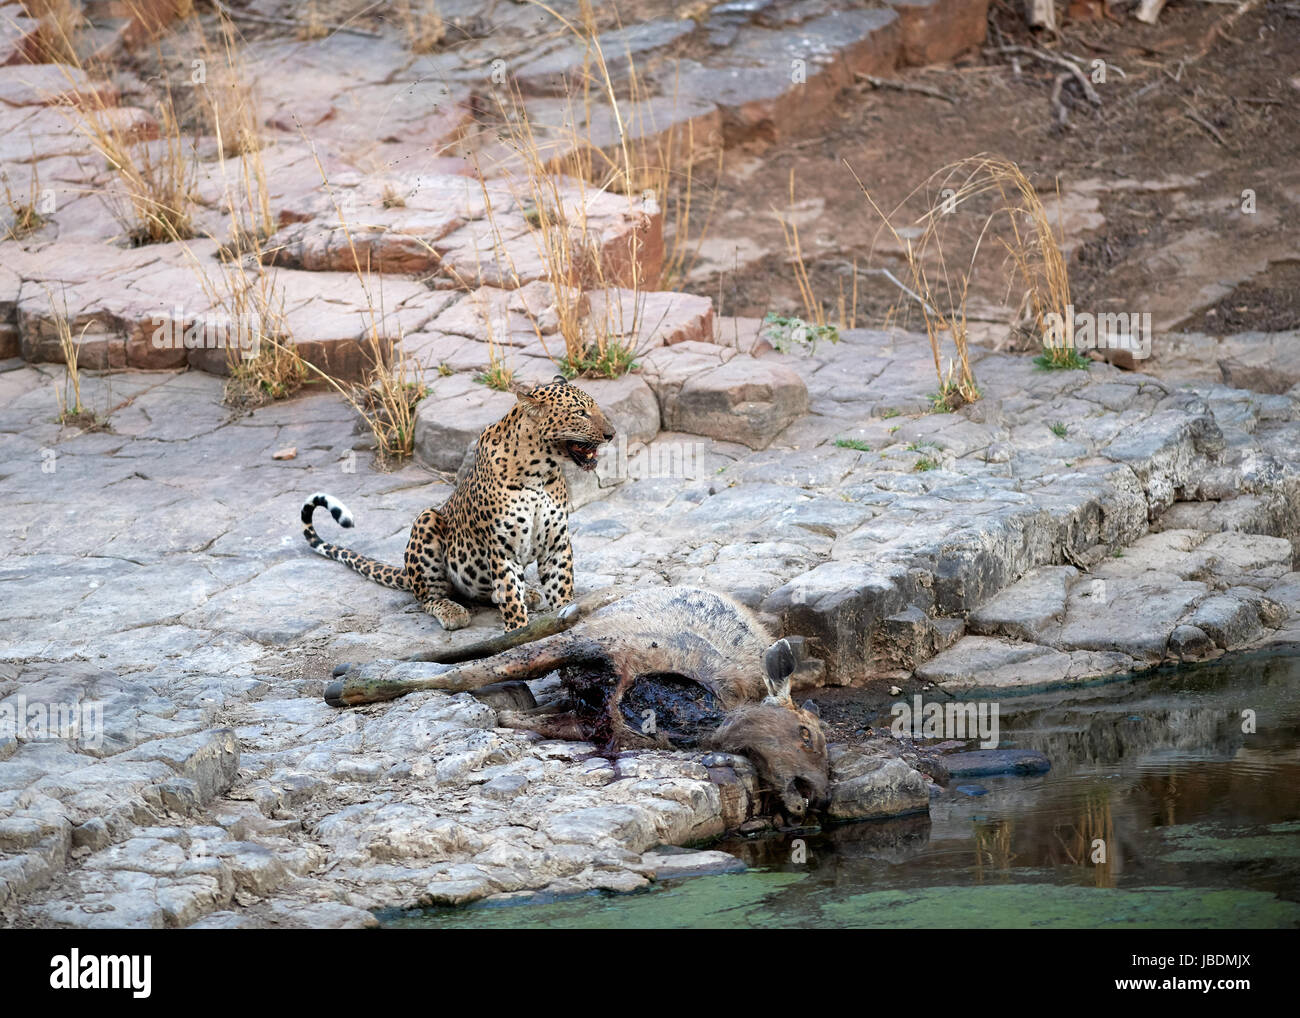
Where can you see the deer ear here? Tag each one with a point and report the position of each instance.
(811, 708)
(778, 666)
(778, 661)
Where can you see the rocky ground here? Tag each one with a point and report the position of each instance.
(155, 567)
(1069, 526)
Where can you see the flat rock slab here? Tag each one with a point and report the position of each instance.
(446, 426)
(1028, 608)
(1129, 617)
(564, 68)
(468, 232)
(770, 82)
(982, 662)
(53, 85)
(989, 762)
(713, 390)
(169, 305)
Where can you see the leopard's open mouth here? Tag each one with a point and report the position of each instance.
(582, 453)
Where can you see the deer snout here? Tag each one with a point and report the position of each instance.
(803, 796)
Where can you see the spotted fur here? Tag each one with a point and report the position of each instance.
(510, 510)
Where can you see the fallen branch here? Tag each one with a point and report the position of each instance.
(1149, 10)
(1109, 66)
(1062, 114)
(904, 86)
(1199, 120)
(1221, 28)
(1041, 14)
(1051, 58)
(898, 283)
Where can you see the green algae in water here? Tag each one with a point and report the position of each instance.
(1205, 843)
(757, 900)
(1043, 906)
(1200, 819)
(698, 903)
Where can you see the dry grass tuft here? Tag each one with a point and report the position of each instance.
(24, 216)
(814, 325)
(232, 113)
(422, 24)
(68, 396)
(272, 369)
(554, 173)
(61, 25)
(1020, 225)
(496, 376)
(312, 24)
(387, 402)
(157, 176)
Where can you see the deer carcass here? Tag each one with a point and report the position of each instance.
(663, 667)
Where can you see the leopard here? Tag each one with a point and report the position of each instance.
(510, 509)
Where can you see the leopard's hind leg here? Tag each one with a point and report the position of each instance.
(426, 567)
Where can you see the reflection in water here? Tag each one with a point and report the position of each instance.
(884, 841)
(1163, 807)
(993, 841)
(1088, 841)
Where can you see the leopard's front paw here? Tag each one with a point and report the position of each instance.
(449, 614)
(534, 598)
(513, 618)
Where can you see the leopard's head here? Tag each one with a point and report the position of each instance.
(569, 418)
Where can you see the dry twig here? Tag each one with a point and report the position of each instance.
(1051, 58)
(905, 86)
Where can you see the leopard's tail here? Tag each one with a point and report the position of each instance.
(373, 569)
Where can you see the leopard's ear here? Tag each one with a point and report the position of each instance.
(559, 380)
(526, 396)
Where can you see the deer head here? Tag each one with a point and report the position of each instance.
(785, 743)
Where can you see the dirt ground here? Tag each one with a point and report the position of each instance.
(1191, 116)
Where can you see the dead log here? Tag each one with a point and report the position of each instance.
(1041, 14)
(1149, 10)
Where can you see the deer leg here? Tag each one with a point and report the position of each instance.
(389, 680)
(531, 661)
(538, 626)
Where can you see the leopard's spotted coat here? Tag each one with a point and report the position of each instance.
(511, 509)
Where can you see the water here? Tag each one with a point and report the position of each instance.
(1200, 821)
